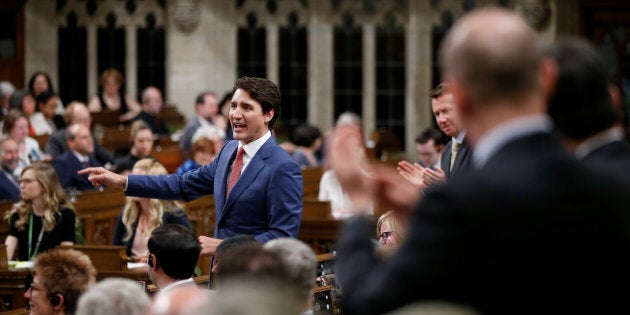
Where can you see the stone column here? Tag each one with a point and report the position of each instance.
(418, 72)
(273, 53)
(40, 40)
(200, 50)
(131, 61)
(92, 57)
(369, 78)
(320, 67)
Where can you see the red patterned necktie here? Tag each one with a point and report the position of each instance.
(236, 170)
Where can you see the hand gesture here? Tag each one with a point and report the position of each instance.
(100, 176)
(412, 173)
(431, 177)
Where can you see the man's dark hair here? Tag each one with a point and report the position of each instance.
(201, 97)
(438, 91)
(581, 105)
(430, 133)
(43, 97)
(234, 242)
(305, 135)
(176, 250)
(264, 92)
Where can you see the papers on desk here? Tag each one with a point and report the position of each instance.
(20, 264)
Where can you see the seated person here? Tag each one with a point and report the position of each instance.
(113, 98)
(24, 101)
(16, 126)
(229, 245)
(152, 103)
(43, 208)
(59, 277)
(308, 140)
(46, 121)
(114, 296)
(207, 114)
(9, 183)
(173, 254)
(77, 113)
(79, 156)
(141, 215)
(201, 153)
(141, 147)
(390, 232)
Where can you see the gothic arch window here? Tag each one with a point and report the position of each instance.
(348, 67)
(151, 47)
(390, 77)
(252, 44)
(72, 60)
(111, 46)
(293, 71)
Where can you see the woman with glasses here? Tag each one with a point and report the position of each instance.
(43, 218)
(141, 215)
(389, 231)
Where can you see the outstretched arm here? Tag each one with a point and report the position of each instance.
(100, 176)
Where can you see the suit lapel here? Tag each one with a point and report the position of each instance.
(254, 167)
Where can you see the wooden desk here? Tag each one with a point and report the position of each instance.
(321, 235)
(311, 178)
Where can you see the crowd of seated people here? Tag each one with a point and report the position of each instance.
(461, 208)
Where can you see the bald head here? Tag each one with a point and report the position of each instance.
(492, 53)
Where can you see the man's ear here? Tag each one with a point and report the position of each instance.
(268, 116)
(548, 77)
(460, 97)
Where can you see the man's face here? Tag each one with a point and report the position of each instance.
(82, 142)
(152, 102)
(38, 298)
(428, 153)
(446, 114)
(81, 115)
(209, 108)
(248, 120)
(10, 155)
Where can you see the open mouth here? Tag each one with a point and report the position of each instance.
(237, 127)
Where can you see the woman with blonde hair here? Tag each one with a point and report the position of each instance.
(141, 215)
(43, 218)
(389, 231)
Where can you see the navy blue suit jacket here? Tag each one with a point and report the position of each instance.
(67, 165)
(530, 232)
(265, 202)
(8, 190)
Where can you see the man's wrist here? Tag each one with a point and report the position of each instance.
(126, 183)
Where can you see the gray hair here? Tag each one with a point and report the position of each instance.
(114, 296)
(300, 261)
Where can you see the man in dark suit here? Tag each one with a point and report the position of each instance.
(76, 113)
(152, 103)
(9, 183)
(266, 198)
(529, 230)
(206, 105)
(582, 108)
(78, 156)
(456, 155)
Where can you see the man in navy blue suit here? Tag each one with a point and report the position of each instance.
(79, 156)
(266, 197)
(9, 182)
(527, 230)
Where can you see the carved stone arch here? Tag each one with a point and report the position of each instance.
(146, 7)
(76, 7)
(286, 8)
(352, 7)
(117, 8)
(384, 9)
(258, 8)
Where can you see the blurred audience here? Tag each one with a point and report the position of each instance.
(141, 147)
(113, 98)
(114, 296)
(201, 153)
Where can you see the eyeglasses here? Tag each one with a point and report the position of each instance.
(385, 235)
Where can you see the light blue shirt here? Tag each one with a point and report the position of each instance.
(507, 132)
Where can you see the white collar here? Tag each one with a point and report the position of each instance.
(177, 283)
(598, 140)
(82, 158)
(253, 147)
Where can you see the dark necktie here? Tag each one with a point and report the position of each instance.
(236, 170)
